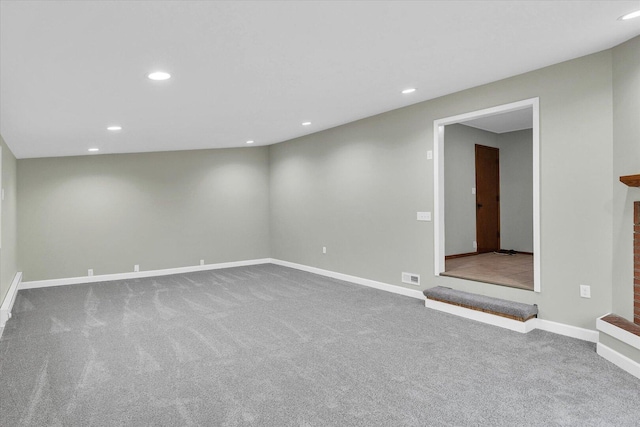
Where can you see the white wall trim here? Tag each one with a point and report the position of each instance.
(438, 179)
(618, 333)
(9, 299)
(414, 293)
(567, 330)
(139, 274)
(481, 316)
(620, 360)
(514, 325)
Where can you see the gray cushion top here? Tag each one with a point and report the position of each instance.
(516, 309)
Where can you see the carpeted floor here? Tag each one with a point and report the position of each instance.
(271, 346)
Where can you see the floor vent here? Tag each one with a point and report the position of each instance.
(410, 278)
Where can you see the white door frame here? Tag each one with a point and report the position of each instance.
(438, 178)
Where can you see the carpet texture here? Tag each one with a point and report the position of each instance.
(271, 346)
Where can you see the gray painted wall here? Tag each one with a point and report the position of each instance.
(356, 189)
(158, 210)
(516, 187)
(626, 161)
(8, 252)
(459, 179)
(516, 190)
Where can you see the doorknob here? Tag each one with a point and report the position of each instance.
(479, 205)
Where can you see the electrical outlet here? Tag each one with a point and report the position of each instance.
(136, 268)
(585, 291)
(201, 262)
(473, 190)
(90, 272)
(475, 245)
(423, 216)
(429, 155)
(324, 249)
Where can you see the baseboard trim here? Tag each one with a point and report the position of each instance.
(9, 299)
(480, 316)
(414, 293)
(567, 330)
(620, 360)
(514, 325)
(617, 333)
(448, 257)
(139, 274)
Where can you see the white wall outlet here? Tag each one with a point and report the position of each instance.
(411, 278)
(475, 245)
(424, 216)
(201, 262)
(585, 291)
(90, 272)
(429, 155)
(136, 268)
(473, 190)
(3, 194)
(324, 249)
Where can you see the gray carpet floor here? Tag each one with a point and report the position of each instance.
(272, 346)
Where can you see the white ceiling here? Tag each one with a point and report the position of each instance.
(504, 122)
(256, 70)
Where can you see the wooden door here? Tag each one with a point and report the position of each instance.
(487, 198)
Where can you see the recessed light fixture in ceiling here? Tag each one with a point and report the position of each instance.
(409, 90)
(94, 149)
(630, 16)
(159, 75)
(306, 123)
(114, 128)
(249, 142)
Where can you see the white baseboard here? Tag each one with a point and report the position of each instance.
(620, 360)
(481, 316)
(9, 299)
(567, 330)
(514, 325)
(414, 293)
(139, 274)
(618, 333)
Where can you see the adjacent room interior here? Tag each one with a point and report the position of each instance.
(488, 199)
(319, 213)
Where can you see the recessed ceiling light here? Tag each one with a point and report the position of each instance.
(249, 142)
(630, 15)
(306, 123)
(409, 90)
(114, 128)
(94, 149)
(159, 75)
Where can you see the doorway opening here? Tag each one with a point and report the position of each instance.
(486, 207)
